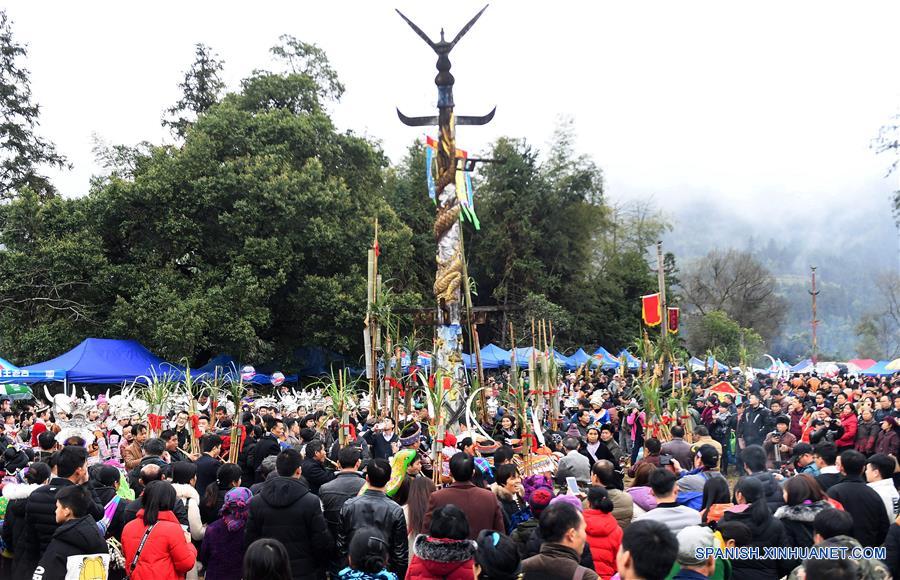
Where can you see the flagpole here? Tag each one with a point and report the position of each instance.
(664, 311)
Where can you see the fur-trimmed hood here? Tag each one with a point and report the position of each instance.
(503, 494)
(441, 557)
(805, 512)
(12, 491)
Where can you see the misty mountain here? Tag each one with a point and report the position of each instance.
(849, 246)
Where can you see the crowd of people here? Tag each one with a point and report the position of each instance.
(97, 488)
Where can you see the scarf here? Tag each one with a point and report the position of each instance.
(236, 508)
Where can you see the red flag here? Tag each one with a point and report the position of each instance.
(673, 320)
(650, 309)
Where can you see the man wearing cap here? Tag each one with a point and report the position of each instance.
(804, 460)
(691, 540)
(706, 466)
(779, 444)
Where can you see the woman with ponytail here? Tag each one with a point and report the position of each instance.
(604, 536)
(368, 557)
(752, 510)
(228, 477)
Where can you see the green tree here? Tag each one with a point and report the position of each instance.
(718, 333)
(201, 89)
(23, 152)
(249, 238)
(308, 60)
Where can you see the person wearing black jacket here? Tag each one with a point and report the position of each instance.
(106, 486)
(755, 424)
(208, 463)
(374, 508)
(285, 511)
(345, 485)
(382, 439)
(755, 465)
(314, 471)
(268, 444)
(870, 520)
(77, 535)
(14, 524)
(40, 511)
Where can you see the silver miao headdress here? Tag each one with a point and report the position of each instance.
(77, 423)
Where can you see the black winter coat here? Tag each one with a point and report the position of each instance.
(14, 524)
(73, 538)
(40, 520)
(209, 514)
(286, 511)
(315, 474)
(769, 533)
(892, 549)
(375, 509)
(335, 493)
(105, 494)
(774, 493)
(378, 445)
(267, 445)
(755, 425)
(798, 523)
(870, 524)
(207, 468)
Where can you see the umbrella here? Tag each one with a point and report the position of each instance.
(16, 392)
(894, 365)
(723, 388)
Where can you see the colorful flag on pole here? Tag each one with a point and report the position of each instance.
(430, 148)
(673, 320)
(650, 309)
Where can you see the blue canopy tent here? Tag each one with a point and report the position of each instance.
(100, 361)
(13, 390)
(523, 355)
(698, 365)
(494, 357)
(804, 366)
(879, 369)
(630, 360)
(607, 361)
(579, 358)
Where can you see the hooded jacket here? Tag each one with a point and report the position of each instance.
(437, 558)
(40, 520)
(515, 510)
(79, 536)
(167, 555)
(285, 510)
(14, 524)
(769, 533)
(798, 522)
(850, 424)
(774, 494)
(604, 537)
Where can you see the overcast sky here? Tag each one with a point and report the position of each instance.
(769, 106)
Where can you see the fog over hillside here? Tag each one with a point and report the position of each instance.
(850, 240)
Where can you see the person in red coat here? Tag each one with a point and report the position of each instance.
(168, 553)
(849, 422)
(480, 505)
(446, 553)
(604, 535)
